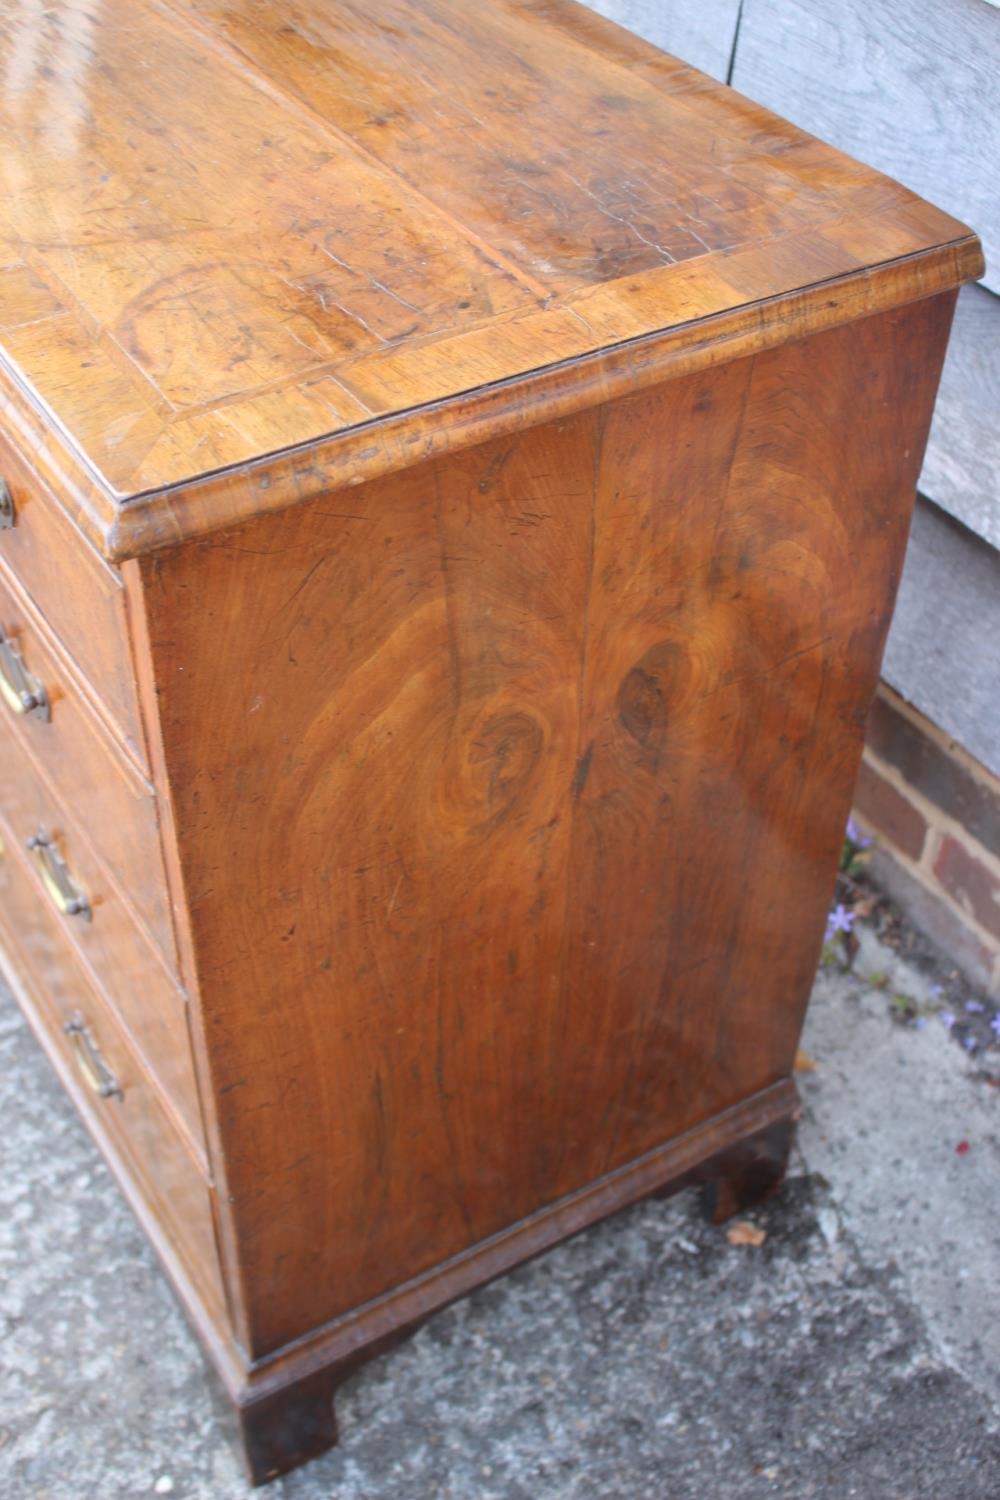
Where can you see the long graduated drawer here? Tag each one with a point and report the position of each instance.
(43, 706)
(117, 1092)
(76, 896)
(79, 595)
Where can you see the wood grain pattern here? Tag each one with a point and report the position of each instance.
(909, 88)
(490, 719)
(381, 232)
(502, 410)
(284, 1408)
(226, 1342)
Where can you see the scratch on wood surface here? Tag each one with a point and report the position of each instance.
(745, 677)
(627, 223)
(392, 901)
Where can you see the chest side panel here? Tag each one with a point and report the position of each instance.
(509, 792)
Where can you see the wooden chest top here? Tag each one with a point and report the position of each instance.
(252, 251)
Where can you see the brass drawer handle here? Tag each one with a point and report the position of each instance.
(7, 516)
(22, 693)
(63, 890)
(96, 1074)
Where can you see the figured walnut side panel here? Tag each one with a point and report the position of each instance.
(508, 796)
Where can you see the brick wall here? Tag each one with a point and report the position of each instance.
(934, 813)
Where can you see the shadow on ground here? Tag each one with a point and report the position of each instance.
(853, 1353)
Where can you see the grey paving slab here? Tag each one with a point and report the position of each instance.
(854, 1353)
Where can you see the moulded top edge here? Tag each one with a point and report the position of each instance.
(396, 441)
(330, 239)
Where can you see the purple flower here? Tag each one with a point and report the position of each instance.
(920, 1022)
(969, 1043)
(937, 989)
(995, 1023)
(841, 919)
(974, 1007)
(854, 834)
(948, 1018)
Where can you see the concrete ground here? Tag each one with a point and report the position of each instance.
(854, 1352)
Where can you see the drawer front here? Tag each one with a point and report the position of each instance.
(65, 873)
(82, 599)
(109, 796)
(116, 1090)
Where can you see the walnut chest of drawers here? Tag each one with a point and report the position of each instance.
(456, 470)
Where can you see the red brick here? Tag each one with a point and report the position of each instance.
(934, 770)
(970, 883)
(945, 924)
(888, 813)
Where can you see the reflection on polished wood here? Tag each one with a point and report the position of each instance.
(460, 463)
(234, 228)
